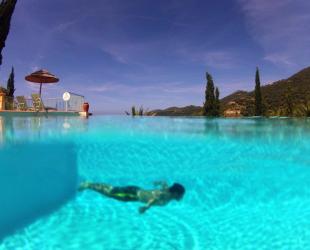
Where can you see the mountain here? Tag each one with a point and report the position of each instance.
(277, 97)
(177, 111)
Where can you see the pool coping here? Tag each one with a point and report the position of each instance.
(40, 113)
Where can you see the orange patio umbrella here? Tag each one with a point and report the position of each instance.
(42, 76)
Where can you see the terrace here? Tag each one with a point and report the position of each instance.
(69, 104)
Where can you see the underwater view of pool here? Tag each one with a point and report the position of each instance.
(247, 183)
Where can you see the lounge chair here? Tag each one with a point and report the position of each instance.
(38, 103)
(22, 103)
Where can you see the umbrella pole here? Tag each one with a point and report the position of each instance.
(40, 89)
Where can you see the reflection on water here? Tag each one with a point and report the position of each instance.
(269, 130)
(6, 129)
(1, 130)
(16, 128)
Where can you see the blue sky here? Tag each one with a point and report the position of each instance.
(120, 53)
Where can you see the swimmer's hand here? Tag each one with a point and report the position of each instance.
(163, 184)
(149, 204)
(142, 209)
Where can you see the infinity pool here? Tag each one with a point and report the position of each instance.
(247, 183)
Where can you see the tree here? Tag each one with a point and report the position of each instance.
(258, 95)
(217, 102)
(289, 101)
(133, 111)
(304, 107)
(136, 112)
(211, 106)
(209, 97)
(3, 90)
(141, 111)
(10, 85)
(6, 11)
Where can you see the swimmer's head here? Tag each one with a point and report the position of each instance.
(177, 191)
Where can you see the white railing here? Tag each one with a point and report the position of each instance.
(55, 103)
(74, 104)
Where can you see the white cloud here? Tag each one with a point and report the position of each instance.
(157, 95)
(219, 59)
(126, 52)
(64, 26)
(32, 86)
(215, 58)
(281, 27)
(34, 68)
(279, 59)
(102, 87)
(162, 88)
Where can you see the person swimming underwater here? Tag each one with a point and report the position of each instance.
(154, 197)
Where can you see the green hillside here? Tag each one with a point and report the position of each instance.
(289, 97)
(278, 98)
(176, 111)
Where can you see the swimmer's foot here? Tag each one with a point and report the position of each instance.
(83, 186)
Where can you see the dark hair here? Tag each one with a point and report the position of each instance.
(177, 190)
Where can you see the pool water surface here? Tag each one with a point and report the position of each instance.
(247, 183)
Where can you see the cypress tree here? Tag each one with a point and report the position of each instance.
(133, 111)
(209, 97)
(10, 84)
(217, 102)
(258, 95)
(6, 11)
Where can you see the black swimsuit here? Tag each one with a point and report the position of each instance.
(129, 193)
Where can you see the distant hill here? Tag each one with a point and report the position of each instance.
(176, 111)
(275, 98)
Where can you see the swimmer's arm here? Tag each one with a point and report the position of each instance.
(148, 205)
(163, 184)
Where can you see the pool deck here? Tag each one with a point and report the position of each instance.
(40, 113)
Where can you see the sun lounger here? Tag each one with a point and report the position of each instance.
(38, 103)
(22, 103)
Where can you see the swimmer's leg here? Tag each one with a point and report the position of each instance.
(129, 193)
(102, 188)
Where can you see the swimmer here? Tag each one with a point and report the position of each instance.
(154, 197)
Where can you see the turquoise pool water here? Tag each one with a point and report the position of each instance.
(247, 183)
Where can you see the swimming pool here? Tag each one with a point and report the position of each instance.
(247, 182)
